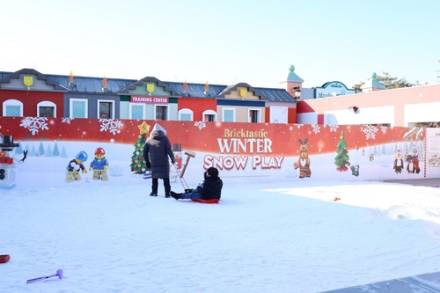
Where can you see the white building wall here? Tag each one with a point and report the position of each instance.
(433, 152)
(373, 115)
(172, 112)
(426, 112)
(149, 112)
(307, 118)
(279, 114)
(124, 110)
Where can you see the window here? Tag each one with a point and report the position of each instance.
(161, 112)
(228, 115)
(209, 118)
(78, 108)
(209, 115)
(254, 116)
(12, 108)
(185, 115)
(137, 111)
(46, 109)
(105, 109)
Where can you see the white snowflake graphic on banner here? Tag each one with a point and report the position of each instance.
(34, 124)
(383, 129)
(111, 125)
(200, 125)
(333, 127)
(316, 129)
(370, 131)
(66, 120)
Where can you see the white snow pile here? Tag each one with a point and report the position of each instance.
(394, 200)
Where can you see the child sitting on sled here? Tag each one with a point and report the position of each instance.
(75, 166)
(99, 165)
(209, 191)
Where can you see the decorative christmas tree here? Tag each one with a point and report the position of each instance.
(33, 151)
(63, 153)
(341, 159)
(137, 159)
(41, 149)
(49, 151)
(56, 151)
(18, 150)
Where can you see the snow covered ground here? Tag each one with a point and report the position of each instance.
(269, 234)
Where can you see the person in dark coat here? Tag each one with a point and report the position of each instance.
(211, 188)
(157, 149)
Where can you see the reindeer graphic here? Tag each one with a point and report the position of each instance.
(303, 162)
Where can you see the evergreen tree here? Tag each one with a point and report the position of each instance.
(63, 152)
(49, 151)
(392, 82)
(358, 87)
(341, 159)
(33, 151)
(137, 159)
(41, 149)
(56, 150)
(19, 150)
(375, 150)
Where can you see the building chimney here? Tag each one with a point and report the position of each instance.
(294, 83)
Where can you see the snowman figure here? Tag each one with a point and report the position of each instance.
(7, 165)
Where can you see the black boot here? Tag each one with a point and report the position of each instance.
(167, 186)
(176, 196)
(153, 187)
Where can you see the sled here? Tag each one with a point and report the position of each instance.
(206, 201)
(4, 258)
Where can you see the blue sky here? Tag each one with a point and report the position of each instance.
(223, 41)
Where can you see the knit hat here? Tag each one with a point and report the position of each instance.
(157, 126)
(213, 172)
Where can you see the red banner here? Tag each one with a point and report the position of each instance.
(211, 137)
(249, 146)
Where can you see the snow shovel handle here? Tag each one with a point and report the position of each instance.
(58, 274)
(181, 179)
(40, 278)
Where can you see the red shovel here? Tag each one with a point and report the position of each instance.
(4, 258)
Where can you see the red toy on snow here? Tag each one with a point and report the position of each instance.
(4, 258)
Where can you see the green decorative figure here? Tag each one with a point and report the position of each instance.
(137, 159)
(342, 159)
